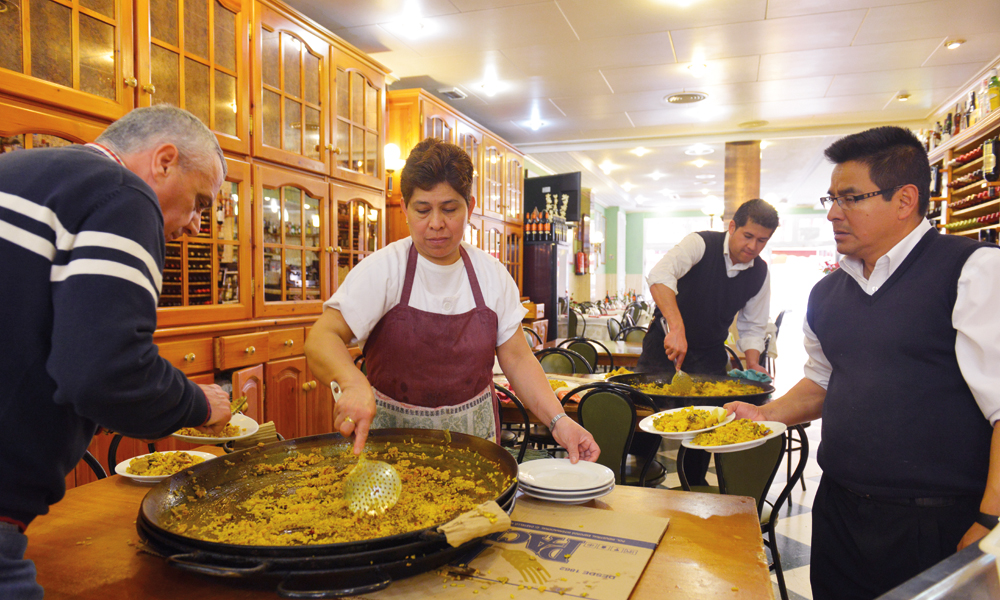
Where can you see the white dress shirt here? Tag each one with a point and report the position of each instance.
(751, 321)
(975, 316)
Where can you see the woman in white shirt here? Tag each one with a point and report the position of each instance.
(432, 312)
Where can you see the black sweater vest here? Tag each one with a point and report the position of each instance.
(898, 418)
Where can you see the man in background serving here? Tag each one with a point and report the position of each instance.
(699, 286)
(82, 231)
(902, 344)
(432, 313)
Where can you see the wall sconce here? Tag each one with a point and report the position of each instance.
(393, 163)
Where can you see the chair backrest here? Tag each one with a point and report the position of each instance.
(734, 359)
(777, 323)
(627, 320)
(632, 334)
(556, 360)
(614, 326)
(531, 336)
(525, 421)
(94, 464)
(588, 350)
(750, 472)
(607, 412)
(577, 324)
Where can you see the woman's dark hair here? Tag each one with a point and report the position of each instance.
(758, 211)
(894, 157)
(432, 162)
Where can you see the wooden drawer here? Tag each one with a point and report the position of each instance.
(232, 351)
(190, 356)
(283, 343)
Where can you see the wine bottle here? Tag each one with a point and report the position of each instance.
(993, 91)
(991, 154)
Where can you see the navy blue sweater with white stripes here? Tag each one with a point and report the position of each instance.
(81, 262)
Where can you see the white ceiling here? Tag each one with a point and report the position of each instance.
(596, 73)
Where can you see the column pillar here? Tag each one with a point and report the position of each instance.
(742, 172)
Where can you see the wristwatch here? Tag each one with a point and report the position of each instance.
(555, 419)
(987, 521)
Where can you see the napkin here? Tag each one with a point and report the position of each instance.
(751, 375)
(481, 521)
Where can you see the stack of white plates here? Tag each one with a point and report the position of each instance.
(558, 480)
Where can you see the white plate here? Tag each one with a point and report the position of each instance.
(574, 499)
(249, 426)
(776, 430)
(559, 493)
(649, 426)
(560, 474)
(121, 467)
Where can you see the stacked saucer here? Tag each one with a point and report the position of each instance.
(558, 480)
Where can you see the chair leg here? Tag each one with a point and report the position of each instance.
(772, 542)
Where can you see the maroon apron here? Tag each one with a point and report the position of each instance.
(429, 369)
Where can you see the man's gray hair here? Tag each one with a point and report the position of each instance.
(145, 128)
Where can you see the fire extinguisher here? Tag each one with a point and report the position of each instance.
(581, 263)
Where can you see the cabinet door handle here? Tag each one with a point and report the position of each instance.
(331, 249)
(149, 88)
(189, 357)
(329, 146)
(336, 150)
(250, 350)
(289, 343)
(309, 386)
(131, 82)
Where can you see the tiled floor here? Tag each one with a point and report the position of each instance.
(794, 525)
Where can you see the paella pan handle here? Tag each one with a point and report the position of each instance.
(337, 593)
(189, 562)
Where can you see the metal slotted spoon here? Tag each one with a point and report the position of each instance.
(681, 384)
(372, 486)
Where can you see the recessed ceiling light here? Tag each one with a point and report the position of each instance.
(535, 124)
(640, 151)
(699, 150)
(700, 163)
(656, 175)
(697, 69)
(902, 97)
(752, 124)
(764, 144)
(952, 44)
(685, 97)
(705, 176)
(704, 190)
(607, 166)
(627, 186)
(490, 88)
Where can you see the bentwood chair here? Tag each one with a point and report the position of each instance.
(532, 337)
(734, 359)
(614, 326)
(577, 324)
(590, 350)
(94, 464)
(514, 434)
(632, 334)
(559, 360)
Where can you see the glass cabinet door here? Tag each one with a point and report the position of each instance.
(437, 122)
(473, 232)
(291, 275)
(206, 277)
(493, 166)
(514, 201)
(494, 241)
(72, 53)
(514, 252)
(360, 231)
(470, 140)
(193, 54)
(359, 95)
(289, 80)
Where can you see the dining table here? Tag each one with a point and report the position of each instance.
(87, 548)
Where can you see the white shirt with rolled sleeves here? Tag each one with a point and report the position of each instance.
(975, 316)
(751, 320)
(375, 285)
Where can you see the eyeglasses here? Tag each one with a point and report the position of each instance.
(849, 201)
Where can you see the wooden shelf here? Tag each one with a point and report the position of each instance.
(976, 211)
(964, 168)
(965, 137)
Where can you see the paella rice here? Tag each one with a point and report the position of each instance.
(555, 384)
(740, 430)
(618, 371)
(701, 388)
(229, 430)
(687, 419)
(161, 463)
(304, 503)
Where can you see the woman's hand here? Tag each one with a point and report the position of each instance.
(576, 440)
(353, 413)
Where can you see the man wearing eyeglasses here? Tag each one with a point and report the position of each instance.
(902, 344)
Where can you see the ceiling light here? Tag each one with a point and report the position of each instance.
(952, 44)
(699, 150)
(697, 69)
(535, 124)
(640, 199)
(607, 166)
(640, 151)
(902, 97)
(705, 176)
(627, 186)
(685, 97)
(490, 88)
(656, 175)
(752, 124)
(700, 163)
(764, 144)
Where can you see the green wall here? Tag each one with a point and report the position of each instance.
(611, 240)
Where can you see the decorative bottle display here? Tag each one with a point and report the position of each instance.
(991, 164)
(993, 91)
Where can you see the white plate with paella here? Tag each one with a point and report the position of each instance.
(686, 422)
(157, 466)
(239, 427)
(741, 434)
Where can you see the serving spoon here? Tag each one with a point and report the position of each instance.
(681, 384)
(372, 486)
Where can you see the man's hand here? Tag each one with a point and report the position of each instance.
(759, 369)
(744, 410)
(218, 404)
(973, 535)
(576, 440)
(675, 345)
(353, 413)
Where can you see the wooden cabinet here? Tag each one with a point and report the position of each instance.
(284, 381)
(291, 118)
(514, 254)
(360, 227)
(69, 53)
(436, 121)
(514, 197)
(234, 351)
(190, 356)
(249, 382)
(470, 139)
(291, 230)
(317, 407)
(494, 240)
(206, 277)
(358, 93)
(194, 55)
(494, 158)
(24, 126)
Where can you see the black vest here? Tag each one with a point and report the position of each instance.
(898, 418)
(708, 300)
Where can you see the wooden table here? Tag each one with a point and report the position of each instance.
(85, 549)
(625, 354)
(510, 414)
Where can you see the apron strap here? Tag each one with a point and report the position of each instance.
(411, 269)
(477, 293)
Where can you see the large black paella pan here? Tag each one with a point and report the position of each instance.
(173, 514)
(759, 392)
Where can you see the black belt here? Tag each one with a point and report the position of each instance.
(900, 501)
